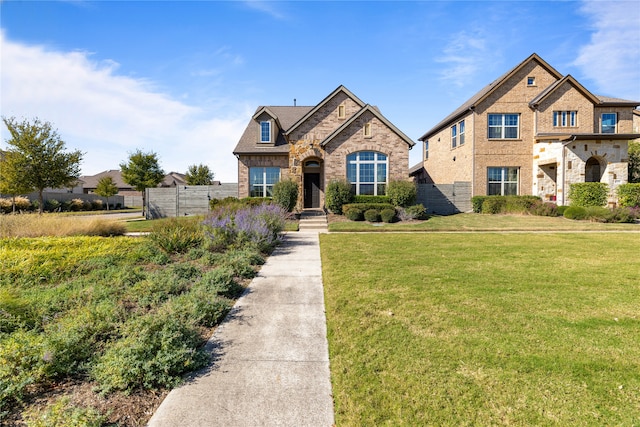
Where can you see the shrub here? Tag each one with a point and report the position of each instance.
(21, 203)
(387, 215)
(575, 212)
(367, 206)
(629, 195)
(372, 215)
(154, 351)
(220, 281)
(22, 362)
(541, 208)
(338, 193)
(285, 194)
(412, 212)
(588, 194)
(494, 205)
(76, 205)
(402, 193)
(199, 307)
(366, 198)
(177, 235)
(64, 414)
(51, 205)
(520, 204)
(561, 210)
(353, 212)
(97, 205)
(476, 203)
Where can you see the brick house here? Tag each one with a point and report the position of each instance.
(532, 131)
(339, 138)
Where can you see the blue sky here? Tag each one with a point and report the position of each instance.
(182, 79)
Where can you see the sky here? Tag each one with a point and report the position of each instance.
(183, 78)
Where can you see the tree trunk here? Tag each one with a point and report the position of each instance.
(40, 202)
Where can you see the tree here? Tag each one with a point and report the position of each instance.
(106, 188)
(634, 161)
(199, 175)
(142, 171)
(38, 158)
(10, 182)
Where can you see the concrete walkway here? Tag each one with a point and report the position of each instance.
(271, 360)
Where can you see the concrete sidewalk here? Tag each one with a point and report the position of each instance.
(271, 360)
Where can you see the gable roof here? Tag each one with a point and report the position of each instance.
(322, 103)
(269, 112)
(486, 91)
(378, 115)
(555, 85)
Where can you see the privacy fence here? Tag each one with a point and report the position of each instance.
(185, 200)
(445, 199)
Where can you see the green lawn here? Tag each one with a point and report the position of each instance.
(483, 329)
(478, 222)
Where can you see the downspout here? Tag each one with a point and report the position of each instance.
(564, 170)
(473, 150)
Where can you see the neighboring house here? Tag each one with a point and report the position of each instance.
(532, 131)
(341, 138)
(90, 183)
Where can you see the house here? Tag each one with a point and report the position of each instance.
(532, 131)
(341, 138)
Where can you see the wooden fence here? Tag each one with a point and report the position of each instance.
(185, 200)
(445, 199)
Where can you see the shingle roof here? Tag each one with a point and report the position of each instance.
(91, 181)
(287, 116)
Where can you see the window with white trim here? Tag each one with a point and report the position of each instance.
(454, 136)
(461, 133)
(608, 122)
(265, 131)
(502, 181)
(261, 181)
(565, 118)
(503, 126)
(367, 171)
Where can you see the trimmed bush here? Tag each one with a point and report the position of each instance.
(415, 212)
(285, 194)
(541, 208)
(366, 198)
(372, 215)
(402, 193)
(338, 193)
(575, 212)
(387, 215)
(588, 194)
(561, 210)
(353, 212)
(520, 204)
(476, 203)
(367, 206)
(494, 205)
(629, 195)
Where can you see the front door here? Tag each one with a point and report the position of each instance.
(311, 190)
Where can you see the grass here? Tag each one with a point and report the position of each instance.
(144, 226)
(483, 329)
(477, 222)
(33, 225)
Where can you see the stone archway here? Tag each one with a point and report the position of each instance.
(593, 170)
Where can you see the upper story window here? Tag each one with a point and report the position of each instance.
(608, 122)
(565, 118)
(265, 131)
(461, 133)
(426, 150)
(531, 81)
(342, 112)
(454, 136)
(504, 126)
(367, 172)
(367, 130)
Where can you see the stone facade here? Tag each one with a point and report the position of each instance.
(548, 158)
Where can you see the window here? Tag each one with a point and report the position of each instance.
(565, 118)
(503, 126)
(461, 133)
(367, 130)
(426, 150)
(341, 112)
(454, 136)
(261, 181)
(367, 172)
(609, 122)
(265, 131)
(531, 81)
(502, 181)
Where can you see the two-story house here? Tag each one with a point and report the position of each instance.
(340, 138)
(531, 131)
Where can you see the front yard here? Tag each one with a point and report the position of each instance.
(483, 329)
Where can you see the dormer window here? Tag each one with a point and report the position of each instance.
(531, 81)
(367, 130)
(265, 131)
(342, 113)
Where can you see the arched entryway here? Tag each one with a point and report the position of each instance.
(593, 170)
(311, 183)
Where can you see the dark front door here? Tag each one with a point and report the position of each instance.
(311, 190)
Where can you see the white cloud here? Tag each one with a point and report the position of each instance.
(612, 56)
(268, 7)
(464, 55)
(107, 115)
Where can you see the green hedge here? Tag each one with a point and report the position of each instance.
(365, 198)
(629, 195)
(505, 204)
(588, 194)
(285, 194)
(338, 193)
(402, 193)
